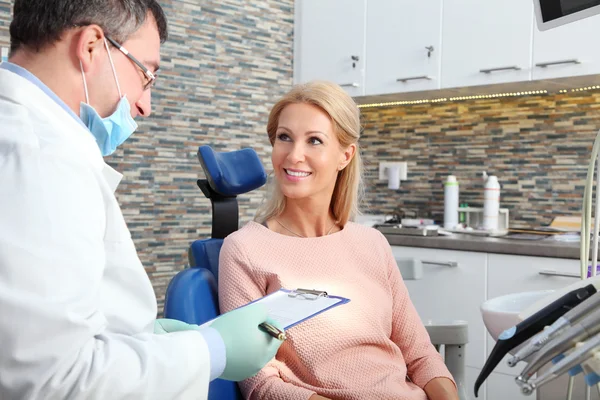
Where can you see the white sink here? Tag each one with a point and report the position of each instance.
(502, 312)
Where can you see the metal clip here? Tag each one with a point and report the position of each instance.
(310, 294)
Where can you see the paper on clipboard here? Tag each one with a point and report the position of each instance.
(290, 311)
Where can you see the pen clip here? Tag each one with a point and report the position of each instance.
(310, 294)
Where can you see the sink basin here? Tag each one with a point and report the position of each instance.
(502, 312)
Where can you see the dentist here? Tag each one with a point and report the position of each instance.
(78, 312)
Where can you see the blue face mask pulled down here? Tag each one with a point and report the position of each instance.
(109, 132)
(112, 131)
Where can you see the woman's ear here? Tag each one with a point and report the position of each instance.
(347, 156)
(90, 47)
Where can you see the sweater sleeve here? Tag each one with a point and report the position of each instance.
(423, 362)
(239, 285)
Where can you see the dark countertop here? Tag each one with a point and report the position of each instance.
(464, 242)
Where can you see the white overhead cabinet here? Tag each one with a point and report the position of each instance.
(388, 47)
(486, 42)
(403, 46)
(569, 50)
(330, 42)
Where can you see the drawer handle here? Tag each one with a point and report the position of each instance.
(353, 84)
(546, 64)
(442, 263)
(414, 78)
(490, 70)
(548, 272)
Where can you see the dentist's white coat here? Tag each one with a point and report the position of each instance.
(76, 306)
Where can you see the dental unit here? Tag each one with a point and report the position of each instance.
(557, 328)
(578, 332)
(524, 330)
(581, 354)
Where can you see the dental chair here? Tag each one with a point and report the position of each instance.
(192, 294)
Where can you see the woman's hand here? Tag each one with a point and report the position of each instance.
(440, 389)
(317, 397)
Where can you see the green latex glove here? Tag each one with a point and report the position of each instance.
(165, 325)
(247, 347)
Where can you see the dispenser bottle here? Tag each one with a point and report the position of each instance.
(491, 203)
(451, 202)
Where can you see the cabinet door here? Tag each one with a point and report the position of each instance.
(486, 42)
(451, 292)
(570, 50)
(403, 46)
(329, 33)
(514, 274)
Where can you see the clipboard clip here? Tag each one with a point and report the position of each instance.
(309, 294)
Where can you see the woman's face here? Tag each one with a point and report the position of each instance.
(306, 153)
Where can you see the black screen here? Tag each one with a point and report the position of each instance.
(554, 9)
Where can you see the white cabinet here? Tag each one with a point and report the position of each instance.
(330, 42)
(403, 46)
(451, 292)
(486, 42)
(568, 50)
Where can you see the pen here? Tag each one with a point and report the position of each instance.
(273, 331)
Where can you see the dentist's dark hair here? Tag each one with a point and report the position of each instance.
(40, 23)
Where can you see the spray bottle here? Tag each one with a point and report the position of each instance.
(491, 202)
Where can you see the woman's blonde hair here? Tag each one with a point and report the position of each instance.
(345, 118)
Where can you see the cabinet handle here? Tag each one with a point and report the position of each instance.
(546, 64)
(490, 70)
(414, 78)
(442, 263)
(549, 272)
(349, 84)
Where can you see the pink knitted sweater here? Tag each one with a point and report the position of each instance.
(374, 347)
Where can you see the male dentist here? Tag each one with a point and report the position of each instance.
(77, 310)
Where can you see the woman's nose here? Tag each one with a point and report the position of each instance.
(296, 153)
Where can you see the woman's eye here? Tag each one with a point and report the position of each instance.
(315, 141)
(283, 137)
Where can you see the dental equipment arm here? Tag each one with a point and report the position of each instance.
(578, 356)
(524, 330)
(556, 329)
(582, 330)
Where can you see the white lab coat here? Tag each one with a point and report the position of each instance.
(76, 306)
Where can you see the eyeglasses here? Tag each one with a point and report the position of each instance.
(150, 77)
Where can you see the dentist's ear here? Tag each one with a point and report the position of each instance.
(89, 46)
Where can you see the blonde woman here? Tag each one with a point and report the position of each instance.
(374, 347)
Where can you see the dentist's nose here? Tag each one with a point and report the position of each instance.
(144, 107)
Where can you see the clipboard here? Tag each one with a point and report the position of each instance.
(292, 307)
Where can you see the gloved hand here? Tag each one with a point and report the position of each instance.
(165, 325)
(247, 347)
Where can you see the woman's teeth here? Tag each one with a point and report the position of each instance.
(299, 174)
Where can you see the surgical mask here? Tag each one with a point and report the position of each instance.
(112, 131)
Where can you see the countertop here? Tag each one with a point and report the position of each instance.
(465, 242)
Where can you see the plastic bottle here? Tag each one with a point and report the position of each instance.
(450, 202)
(491, 203)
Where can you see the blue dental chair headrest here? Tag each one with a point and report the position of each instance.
(232, 173)
(192, 294)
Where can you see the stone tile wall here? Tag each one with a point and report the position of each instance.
(224, 66)
(538, 146)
